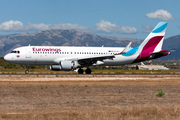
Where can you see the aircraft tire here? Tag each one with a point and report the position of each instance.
(26, 72)
(80, 71)
(88, 71)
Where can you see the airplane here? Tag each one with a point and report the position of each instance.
(70, 58)
(153, 67)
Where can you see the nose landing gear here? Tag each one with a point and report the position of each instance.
(27, 71)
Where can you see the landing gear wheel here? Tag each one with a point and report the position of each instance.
(88, 71)
(80, 71)
(26, 72)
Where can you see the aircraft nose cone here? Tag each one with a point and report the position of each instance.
(6, 57)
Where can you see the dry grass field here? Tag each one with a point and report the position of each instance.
(36, 97)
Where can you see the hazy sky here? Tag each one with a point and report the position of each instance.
(125, 18)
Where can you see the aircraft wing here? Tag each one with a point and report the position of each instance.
(93, 57)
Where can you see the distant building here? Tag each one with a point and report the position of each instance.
(148, 67)
(152, 67)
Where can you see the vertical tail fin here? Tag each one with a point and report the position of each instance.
(154, 41)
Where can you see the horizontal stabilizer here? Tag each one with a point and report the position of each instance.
(162, 52)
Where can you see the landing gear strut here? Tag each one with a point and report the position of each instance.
(27, 71)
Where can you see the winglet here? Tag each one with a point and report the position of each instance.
(125, 49)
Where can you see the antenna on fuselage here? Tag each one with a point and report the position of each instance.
(29, 44)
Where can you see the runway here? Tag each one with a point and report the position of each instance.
(55, 77)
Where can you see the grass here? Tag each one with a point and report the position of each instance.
(94, 71)
(89, 100)
(101, 113)
(10, 68)
(161, 93)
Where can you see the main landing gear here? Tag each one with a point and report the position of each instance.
(80, 71)
(87, 71)
(27, 71)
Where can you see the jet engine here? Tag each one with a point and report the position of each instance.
(65, 65)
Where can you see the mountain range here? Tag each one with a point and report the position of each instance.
(71, 37)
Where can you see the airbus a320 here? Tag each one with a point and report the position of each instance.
(70, 58)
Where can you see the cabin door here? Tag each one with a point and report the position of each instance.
(28, 52)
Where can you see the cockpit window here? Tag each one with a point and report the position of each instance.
(15, 52)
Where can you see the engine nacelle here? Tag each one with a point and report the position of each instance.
(65, 65)
(55, 67)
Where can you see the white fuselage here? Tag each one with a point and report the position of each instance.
(51, 55)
